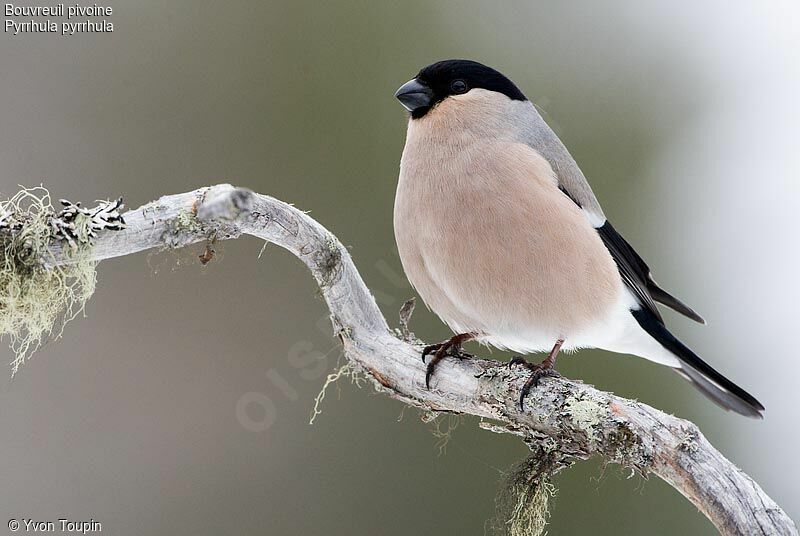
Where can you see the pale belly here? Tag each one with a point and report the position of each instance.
(510, 258)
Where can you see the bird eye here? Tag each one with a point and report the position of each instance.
(458, 86)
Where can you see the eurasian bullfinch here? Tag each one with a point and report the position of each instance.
(503, 238)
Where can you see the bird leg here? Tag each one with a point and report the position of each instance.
(451, 347)
(538, 370)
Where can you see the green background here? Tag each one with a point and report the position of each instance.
(684, 118)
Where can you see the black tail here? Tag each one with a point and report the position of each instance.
(662, 296)
(702, 375)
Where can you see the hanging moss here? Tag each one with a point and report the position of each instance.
(37, 298)
(348, 370)
(523, 502)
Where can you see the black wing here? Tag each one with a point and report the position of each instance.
(636, 275)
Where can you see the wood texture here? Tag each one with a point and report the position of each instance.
(564, 418)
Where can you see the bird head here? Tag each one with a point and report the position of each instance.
(450, 79)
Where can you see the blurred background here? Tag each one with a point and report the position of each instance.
(180, 404)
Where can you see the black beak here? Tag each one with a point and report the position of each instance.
(414, 95)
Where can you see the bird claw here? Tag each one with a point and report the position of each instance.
(433, 348)
(518, 360)
(428, 374)
(538, 371)
(448, 348)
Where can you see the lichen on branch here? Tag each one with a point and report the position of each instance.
(38, 295)
(523, 501)
(565, 419)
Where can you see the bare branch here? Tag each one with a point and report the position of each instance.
(564, 417)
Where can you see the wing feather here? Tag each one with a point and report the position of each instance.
(636, 274)
(637, 277)
(634, 271)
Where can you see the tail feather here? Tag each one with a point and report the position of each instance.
(720, 396)
(665, 298)
(703, 376)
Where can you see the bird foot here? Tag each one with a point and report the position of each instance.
(538, 371)
(449, 348)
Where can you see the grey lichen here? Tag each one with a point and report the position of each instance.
(427, 415)
(626, 448)
(586, 414)
(523, 501)
(348, 370)
(442, 427)
(187, 221)
(38, 297)
(689, 441)
(183, 229)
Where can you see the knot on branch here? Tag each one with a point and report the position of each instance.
(329, 261)
(214, 214)
(563, 420)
